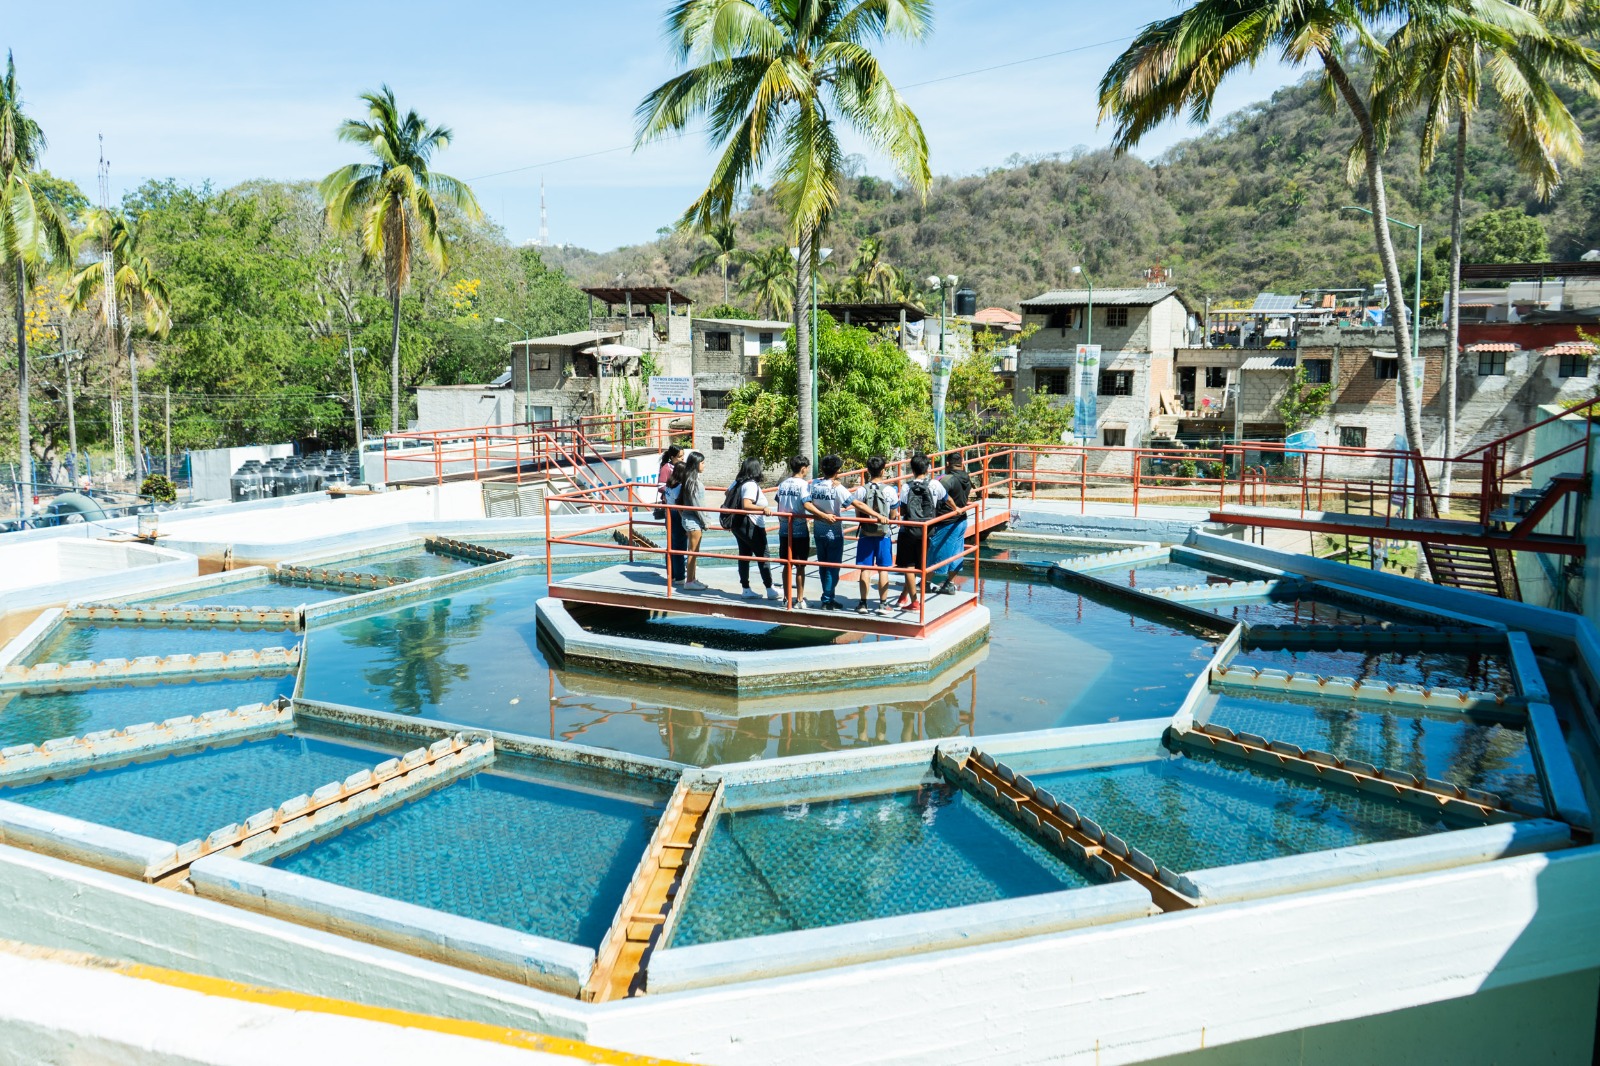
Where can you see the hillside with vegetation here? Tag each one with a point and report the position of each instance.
(1252, 204)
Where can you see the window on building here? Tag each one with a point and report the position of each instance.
(713, 401)
(1059, 318)
(1116, 438)
(1116, 383)
(1352, 436)
(1491, 364)
(584, 366)
(1574, 366)
(1116, 317)
(1216, 377)
(718, 443)
(1386, 369)
(537, 360)
(765, 341)
(719, 341)
(1318, 371)
(1051, 382)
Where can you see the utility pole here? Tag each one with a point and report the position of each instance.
(355, 385)
(169, 432)
(72, 416)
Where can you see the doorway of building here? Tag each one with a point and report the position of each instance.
(1186, 387)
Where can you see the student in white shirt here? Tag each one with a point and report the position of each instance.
(826, 502)
(875, 502)
(751, 531)
(794, 532)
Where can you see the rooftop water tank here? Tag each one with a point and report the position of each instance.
(966, 301)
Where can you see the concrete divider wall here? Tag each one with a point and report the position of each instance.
(781, 954)
(243, 660)
(18, 647)
(523, 958)
(100, 846)
(421, 588)
(219, 583)
(1365, 862)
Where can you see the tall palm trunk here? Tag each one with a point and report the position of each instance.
(133, 379)
(24, 440)
(394, 362)
(724, 283)
(802, 338)
(1378, 195)
(1452, 340)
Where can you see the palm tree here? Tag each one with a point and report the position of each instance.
(393, 203)
(1174, 66)
(135, 286)
(1440, 68)
(769, 277)
(723, 253)
(775, 78)
(31, 231)
(873, 272)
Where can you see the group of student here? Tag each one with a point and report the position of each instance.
(807, 509)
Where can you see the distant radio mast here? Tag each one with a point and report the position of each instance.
(544, 218)
(108, 298)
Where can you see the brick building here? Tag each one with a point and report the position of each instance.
(724, 354)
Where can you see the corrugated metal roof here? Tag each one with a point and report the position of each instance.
(1494, 346)
(765, 324)
(1142, 297)
(571, 340)
(1268, 362)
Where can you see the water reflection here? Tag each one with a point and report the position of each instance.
(417, 669)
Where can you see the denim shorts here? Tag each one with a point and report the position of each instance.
(874, 551)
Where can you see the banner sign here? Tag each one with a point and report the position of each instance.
(940, 365)
(1084, 414)
(1304, 441)
(671, 395)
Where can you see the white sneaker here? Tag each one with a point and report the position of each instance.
(751, 594)
(696, 586)
(774, 594)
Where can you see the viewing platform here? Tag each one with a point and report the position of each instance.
(643, 586)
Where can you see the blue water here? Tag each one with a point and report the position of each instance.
(527, 856)
(472, 657)
(1451, 746)
(807, 866)
(1196, 813)
(73, 640)
(257, 592)
(31, 717)
(1479, 671)
(1306, 610)
(408, 565)
(184, 797)
(1156, 575)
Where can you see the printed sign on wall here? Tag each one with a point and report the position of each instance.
(671, 395)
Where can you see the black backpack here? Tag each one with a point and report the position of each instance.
(917, 505)
(731, 501)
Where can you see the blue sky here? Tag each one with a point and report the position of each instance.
(229, 92)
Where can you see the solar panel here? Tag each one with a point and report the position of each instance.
(1274, 301)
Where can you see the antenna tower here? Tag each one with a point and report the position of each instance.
(544, 217)
(108, 298)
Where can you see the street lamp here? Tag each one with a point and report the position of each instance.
(941, 375)
(527, 384)
(1416, 310)
(65, 355)
(355, 390)
(816, 438)
(1089, 334)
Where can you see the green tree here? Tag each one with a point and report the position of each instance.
(395, 202)
(776, 78)
(64, 194)
(769, 278)
(1039, 421)
(1439, 65)
(979, 400)
(1174, 66)
(1303, 403)
(32, 232)
(136, 290)
(874, 401)
(1509, 235)
(724, 252)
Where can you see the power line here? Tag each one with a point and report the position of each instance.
(914, 85)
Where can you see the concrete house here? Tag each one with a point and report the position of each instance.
(724, 354)
(1138, 330)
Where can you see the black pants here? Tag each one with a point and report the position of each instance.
(677, 541)
(795, 546)
(752, 540)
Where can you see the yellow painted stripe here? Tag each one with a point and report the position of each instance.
(271, 997)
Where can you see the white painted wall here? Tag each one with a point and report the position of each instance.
(210, 470)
